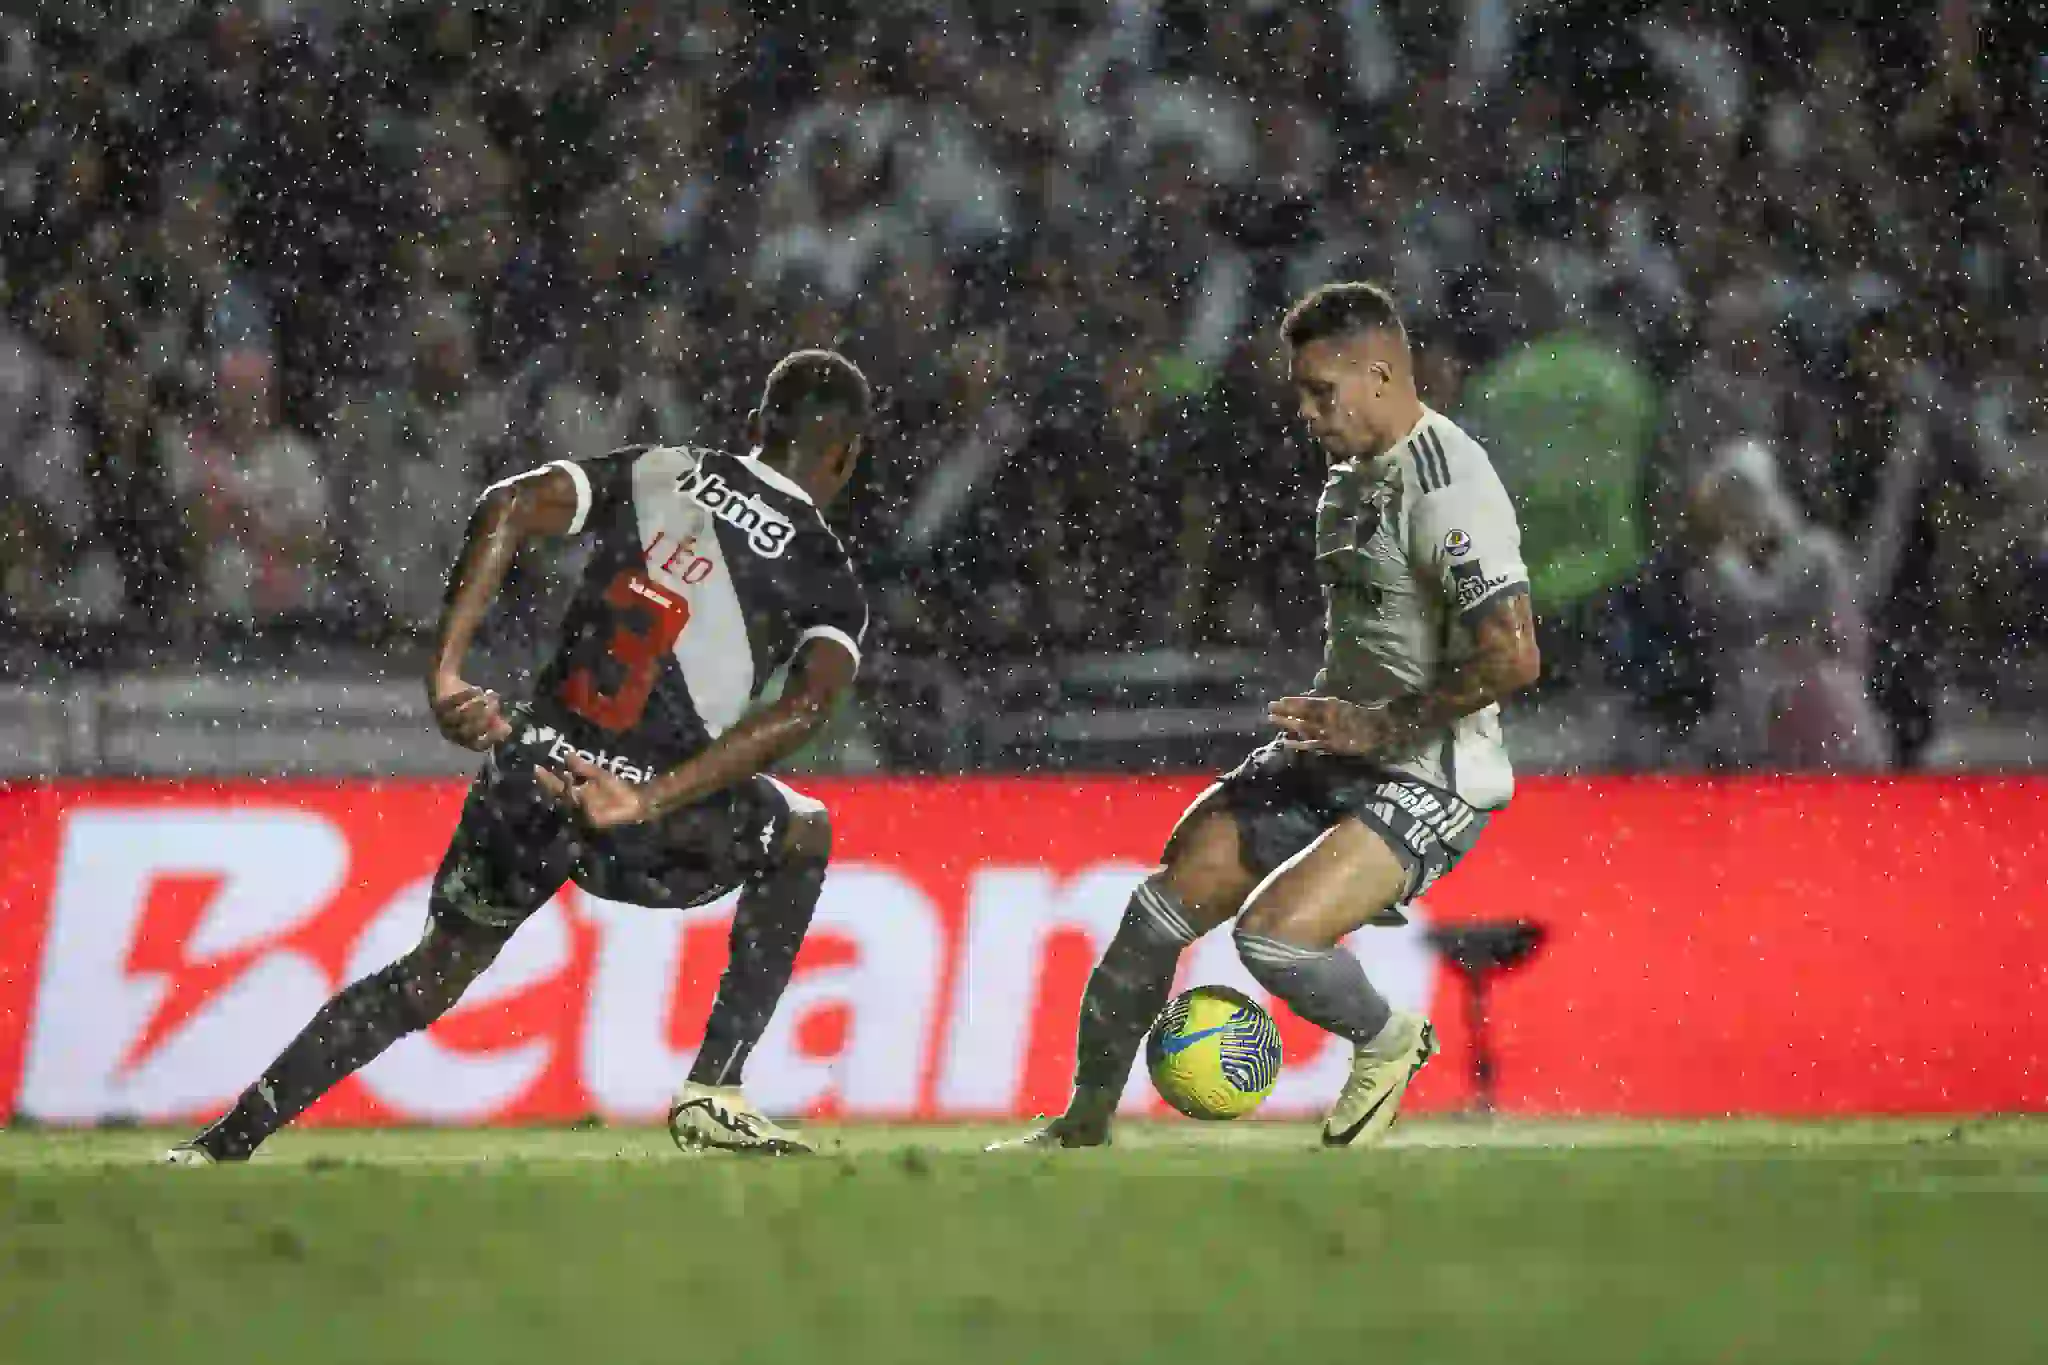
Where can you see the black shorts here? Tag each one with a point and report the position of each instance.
(514, 848)
(1283, 799)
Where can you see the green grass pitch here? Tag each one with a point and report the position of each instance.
(1525, 1243)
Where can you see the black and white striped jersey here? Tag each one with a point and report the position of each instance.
(708, 571)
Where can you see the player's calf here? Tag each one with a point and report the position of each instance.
(1291, 934)
(1202, 884)
(774, 915)
(1290, 939)
(1328, 987)
(1125, 993)
(777, 903)
(348, 1033)
(1324, 985)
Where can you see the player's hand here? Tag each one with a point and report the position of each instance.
(1332, 726)
(470, 716)
(599, 799)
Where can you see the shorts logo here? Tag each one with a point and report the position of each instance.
(1457, 544)
(557, 747)
(1470, 585)
(768, 532)
(1413, 832)
(1433, 818)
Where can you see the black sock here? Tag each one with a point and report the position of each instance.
(348, 1033)
(1127, 990)
(769, 926)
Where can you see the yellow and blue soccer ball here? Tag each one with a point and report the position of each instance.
(1214, 1053)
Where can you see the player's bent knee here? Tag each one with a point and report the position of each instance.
(1204, 869)
(1313, 925)
(1267, 918)
(433, 976)
(1262, 949)
(1206, 898)
(808, 836)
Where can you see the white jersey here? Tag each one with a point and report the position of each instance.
(1412, 546)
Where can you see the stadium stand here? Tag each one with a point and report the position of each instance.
(286, 284)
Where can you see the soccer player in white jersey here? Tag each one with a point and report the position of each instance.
(1384, 777)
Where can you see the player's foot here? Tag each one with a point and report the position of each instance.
(1062, 1133)
(1372, 1097)
(719, 1118)
(190, 1154)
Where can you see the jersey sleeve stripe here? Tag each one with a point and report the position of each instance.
(830, 633)
(1434, 444)
(1432, 471)
(1422, 469)
(581, 479)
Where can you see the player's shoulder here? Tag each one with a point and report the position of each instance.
(1442, 455)
(778, 518)
(672, 458)
(715, 477)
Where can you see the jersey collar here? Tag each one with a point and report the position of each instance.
(774, 478)
(1428, 416)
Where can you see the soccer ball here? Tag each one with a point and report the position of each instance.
(1214, 1053)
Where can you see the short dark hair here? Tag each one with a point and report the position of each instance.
(1336, 310)
(813, 394)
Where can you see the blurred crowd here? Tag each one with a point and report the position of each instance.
(1751, 316)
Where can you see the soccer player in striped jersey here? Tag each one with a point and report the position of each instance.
(1382, 778)
(636, 768)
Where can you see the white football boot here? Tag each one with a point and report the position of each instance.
(719, 1118)
(1060, 1134)
(1372, 1097)
(1085, 1124)
(188, 1154)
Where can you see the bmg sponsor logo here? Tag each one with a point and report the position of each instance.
(768, 532)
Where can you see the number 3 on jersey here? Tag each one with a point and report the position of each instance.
(645, 622)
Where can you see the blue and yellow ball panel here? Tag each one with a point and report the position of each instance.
(1214, 1053)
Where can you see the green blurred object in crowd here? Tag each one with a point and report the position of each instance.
(1568, 420)
(1178, 376)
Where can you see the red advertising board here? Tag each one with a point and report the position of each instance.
(1750, 947)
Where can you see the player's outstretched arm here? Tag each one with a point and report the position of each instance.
(822, 672)
(1504, 661)
(543, 503)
